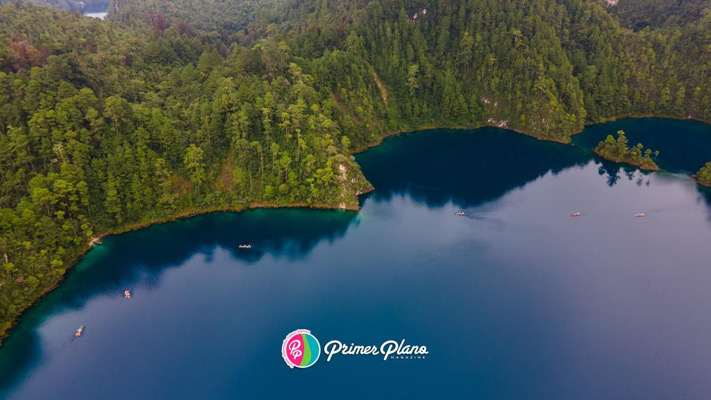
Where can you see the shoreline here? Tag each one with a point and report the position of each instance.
(522, 132)
(388, 135)
(644, 116)
(185, 214)
(627, 162)
(5, 331)
(701, 183)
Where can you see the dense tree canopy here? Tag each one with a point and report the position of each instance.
(183, 106)
(639, 14)
(617, 150)
(704, 175)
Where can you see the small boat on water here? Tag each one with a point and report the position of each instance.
(127, 294)
(460, 213)
(79, 331)
(640, 215)
(245, 246)
(576, 214)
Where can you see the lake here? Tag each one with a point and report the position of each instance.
(96, 10)
(515, 300)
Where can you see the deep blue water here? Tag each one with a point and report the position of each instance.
(684, 146)
(517, 300)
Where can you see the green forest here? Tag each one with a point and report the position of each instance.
(617, 150)
(172, 108)
(704, 175)
(639, 14)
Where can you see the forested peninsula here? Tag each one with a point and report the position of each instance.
(173, 108)
(703, 177)
(617, 150)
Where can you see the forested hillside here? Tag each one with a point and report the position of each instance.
(545, 67)
(103, 127)
(182, 107)
(223, 16)
(639, 14)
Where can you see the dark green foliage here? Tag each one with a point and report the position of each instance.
(103, 127)
(639, 14)
(220, 16)
(618, 151)
(704, 175)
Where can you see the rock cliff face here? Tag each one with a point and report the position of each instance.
(352, 183)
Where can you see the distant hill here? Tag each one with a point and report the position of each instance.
(223, 15)
(639, 14)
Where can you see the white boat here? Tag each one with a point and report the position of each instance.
(79, 331)
(127, 294)
(576, 214)
(460, 213)
(639, 215)
(245, 246)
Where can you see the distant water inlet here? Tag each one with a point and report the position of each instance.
(96, 10)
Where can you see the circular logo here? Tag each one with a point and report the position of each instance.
(300, 349)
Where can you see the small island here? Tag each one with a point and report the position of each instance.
(618, 151)
(703, 177)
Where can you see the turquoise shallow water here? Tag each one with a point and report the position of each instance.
(517, 300)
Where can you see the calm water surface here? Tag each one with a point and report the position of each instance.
(517, 300)
(684, 146)
(96, 10)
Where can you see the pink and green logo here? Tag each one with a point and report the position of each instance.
(300, 349)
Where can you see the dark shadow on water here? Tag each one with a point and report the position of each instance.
(616, 171)
(125, 259)
(612, 171)
(705, 196)
(467, 168)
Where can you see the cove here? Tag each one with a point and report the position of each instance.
(515, 300)
(685, 146)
